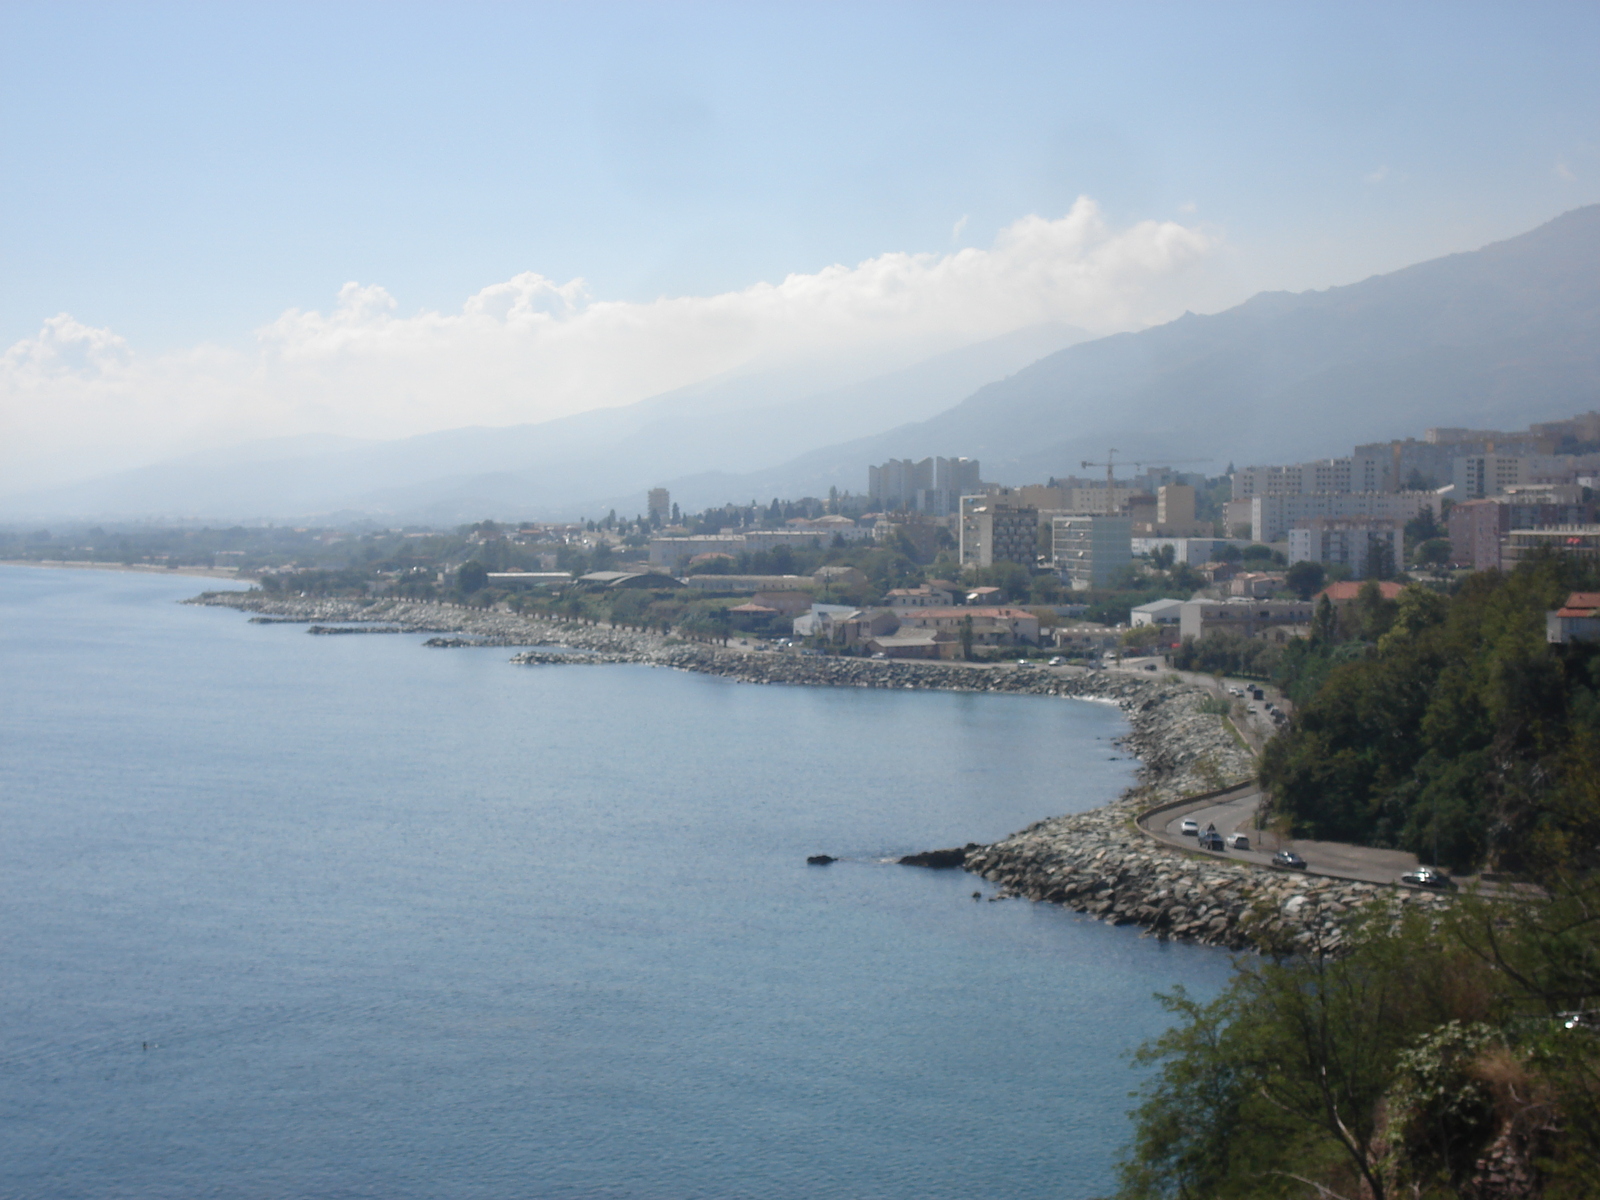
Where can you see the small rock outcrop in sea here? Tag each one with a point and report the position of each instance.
(939, 859)
(820, 860)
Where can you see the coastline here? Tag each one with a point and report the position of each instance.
(56, 564)
(1098, 862)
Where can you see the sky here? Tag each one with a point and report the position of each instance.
(227, 221)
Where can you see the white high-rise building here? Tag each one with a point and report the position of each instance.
(1088, 549)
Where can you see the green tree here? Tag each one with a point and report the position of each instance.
(1304, 578)
(472, 576)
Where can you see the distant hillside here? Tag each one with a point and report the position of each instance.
(1496, 337)
(580, 465)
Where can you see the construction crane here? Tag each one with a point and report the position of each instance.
(1110, 465)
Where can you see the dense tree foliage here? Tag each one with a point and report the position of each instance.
(1422, 1059)
(1446, 726)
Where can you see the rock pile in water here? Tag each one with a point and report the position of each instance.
(1101, 863)
(1098, 863)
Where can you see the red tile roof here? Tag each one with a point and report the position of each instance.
(1581, 604)
(1348, 589)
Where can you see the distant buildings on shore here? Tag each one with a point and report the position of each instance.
(931, 485)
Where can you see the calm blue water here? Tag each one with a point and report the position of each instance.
(399, 922)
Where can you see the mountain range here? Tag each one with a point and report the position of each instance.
(1494, 337)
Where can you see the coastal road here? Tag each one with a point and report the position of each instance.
(1236, 812)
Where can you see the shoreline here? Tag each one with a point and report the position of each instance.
(56, 564)
(1097, 862)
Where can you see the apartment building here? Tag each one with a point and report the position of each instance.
(1368, 546)
(1478, 528)
(1320, 475)
(995, 530)
(1580, 541)
(1271, 517)
(1087, 550)
(931, 485)
(1098, 498)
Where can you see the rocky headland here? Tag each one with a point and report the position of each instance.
(1098, 862)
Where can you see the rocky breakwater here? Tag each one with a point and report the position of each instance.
(469, 626)
(1100, 863)
(817, 671)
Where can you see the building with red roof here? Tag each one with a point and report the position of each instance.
(1578, 620)
(1346, 590)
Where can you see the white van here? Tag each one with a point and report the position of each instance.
(1238, 841)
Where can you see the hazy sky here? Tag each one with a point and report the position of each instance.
(548, 207)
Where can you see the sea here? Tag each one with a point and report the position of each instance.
(290, 916)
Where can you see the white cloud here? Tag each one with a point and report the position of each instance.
(1377, 176)
(76, 400)
(957, 229)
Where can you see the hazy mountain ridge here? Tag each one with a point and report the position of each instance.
(1497, 337)
(577, 465)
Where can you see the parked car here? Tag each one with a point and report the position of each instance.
(1190, 828)
(1058, 661)
(1022, 662)
(1238, 841)
(1288, 860)
(1151, 667)
(1427, 877)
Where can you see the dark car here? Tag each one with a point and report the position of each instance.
(1211, 840)
(1288, 860)
(1427, 877)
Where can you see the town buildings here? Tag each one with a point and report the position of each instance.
(1366, 545)
(1271, 517)
(925, 596)
(1240, 615)
(990, 626)
(1478, 528)
(1157, 612)
(675, 552)
(1088, 550)
(1258, 585)
(744, 585)
(996, 530)
(1579, 541)
(932, 485)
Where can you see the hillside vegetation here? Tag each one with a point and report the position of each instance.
(1446, 725)
(1452, 1059)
